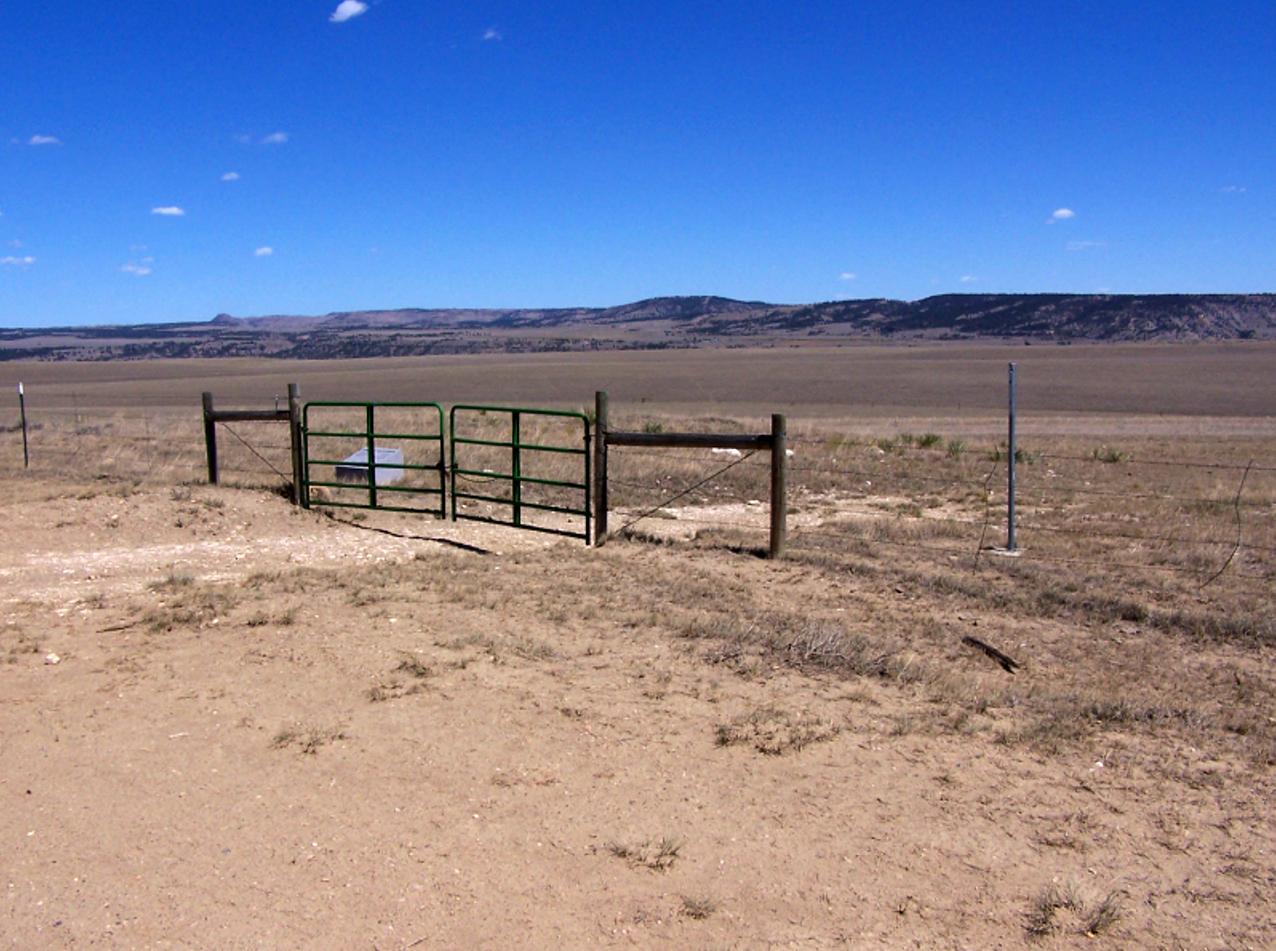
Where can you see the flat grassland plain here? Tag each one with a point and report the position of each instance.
(226, 722)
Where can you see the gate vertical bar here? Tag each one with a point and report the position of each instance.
(1010, 467)
(516, 466)
(589, 499)
(600, 467)
(210, 439)
(779, 479)
(451, 427)
(22, 410)
(443, 472)
(372, 456)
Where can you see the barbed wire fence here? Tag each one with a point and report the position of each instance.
(160, 445)
(1091, 511)
(1197, 519)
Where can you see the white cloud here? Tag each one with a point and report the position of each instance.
(264, 252)
(44, 140)
(1085, 245)
(24, 261)
(847, 276)
(492, 34)
(275, 138)
(169, 211)
(1233, 189)
(137, 270)
(968, 279)
(1062, 214)
(230, 177)
(347, 10)
(243, 138)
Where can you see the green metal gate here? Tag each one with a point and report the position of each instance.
(366, 471)
(536, 459)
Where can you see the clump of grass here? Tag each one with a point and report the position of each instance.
(1109, 454)
(1001, 453)
(307, 739)
(656, 854)
(191, 605)
(413, 666)
(1106, 914)
(698, 907)
(1046, 906)
(1043, 916)
(652, 426)
(929, 440)
(955, 448)
(773, 730)
(173, 582)
(529, 648)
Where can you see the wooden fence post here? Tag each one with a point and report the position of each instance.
(779, 473)
(600, 467)
(210, 439)
(299, 495)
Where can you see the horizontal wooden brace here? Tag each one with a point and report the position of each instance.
(690, 440)
(248, 415)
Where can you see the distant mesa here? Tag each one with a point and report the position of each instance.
(666, 322)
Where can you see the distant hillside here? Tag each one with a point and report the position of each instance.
(665, 322)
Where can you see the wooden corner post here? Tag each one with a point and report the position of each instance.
(779, 474)
(299, 494)
(600, 467)
(210, 438)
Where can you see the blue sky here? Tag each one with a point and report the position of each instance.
(423, 153)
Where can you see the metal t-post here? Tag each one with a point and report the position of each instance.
(22, 408)
(1010, 468)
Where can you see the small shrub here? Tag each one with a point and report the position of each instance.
(929, 440)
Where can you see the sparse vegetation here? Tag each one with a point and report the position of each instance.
(658, 854)
(1089, 919)
(1042, 918)
(698, 907)
(772, 730)
(307, 739)
(552, 695)
(1108, 454)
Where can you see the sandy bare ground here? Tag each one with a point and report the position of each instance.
(269, 729)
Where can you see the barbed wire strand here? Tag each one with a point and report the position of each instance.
(685, 492)
(228, 429)
(1232, 554)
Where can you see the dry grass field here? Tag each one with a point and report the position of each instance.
(226, 722)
